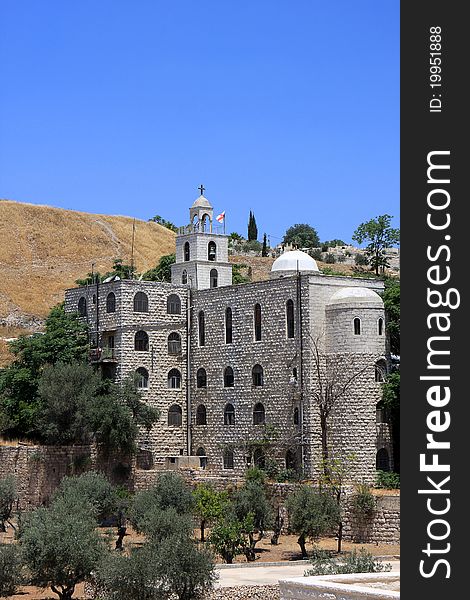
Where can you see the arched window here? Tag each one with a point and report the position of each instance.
(111, 302)
(173, 305)
(296, 416)
(142, 378)
(381, 415)
(214, 276)
(257, 322)
(228, 459)
(201, 328)
(382, 461)
(94, 299)
(174, 343)
(259, 459)
(229, 415)
(141, 341)
(201, 378)
(290, 318)
(229, 379)
(141, 302)
(228, 325)
(184, 277)
(201, 415)
(175, 415)
(211, 251)
(203, 458)
(82, 306)
(380, 326)
(258, 376)
(357, 326)
(380, 371)
(174, 379)
(259, 415)
(187, 253)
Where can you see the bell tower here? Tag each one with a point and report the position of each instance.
(201, 251)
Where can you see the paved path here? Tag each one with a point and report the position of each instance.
(267, 575)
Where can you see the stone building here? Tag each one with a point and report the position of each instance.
(237, 371)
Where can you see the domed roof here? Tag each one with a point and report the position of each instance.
(294, 260)
(201, 202)
(355, 295)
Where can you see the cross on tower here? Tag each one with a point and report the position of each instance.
(202, 189)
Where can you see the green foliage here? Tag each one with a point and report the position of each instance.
(164, 223)
(302, 235)
(391, 402)
(228, 538)
(209, 505)
(236, 237)
(360, 561)
(264, 251)
(388, 480)
(252, 246)
(330, 258)
(252, 228)
(311, 514)
(8, 496)
(379, 235)
(162, 272)
(391, 298)
(158, 523)
(61, 546)
(252, 508)
(64, 340)
(363, 502)
(170, 491)
(361, 260)
(172, 569)
(316, 253)
(256, 475)
(333, 243)
(237, 275)
(91, 488)
(65, 392)
(10, 570)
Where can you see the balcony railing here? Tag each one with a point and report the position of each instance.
(103, 355)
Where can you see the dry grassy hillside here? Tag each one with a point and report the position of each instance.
(43, 250)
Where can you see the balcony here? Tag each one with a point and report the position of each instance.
(103, 355)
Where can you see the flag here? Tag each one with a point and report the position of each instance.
(221, 218)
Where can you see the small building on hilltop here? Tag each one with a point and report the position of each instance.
(240, 372)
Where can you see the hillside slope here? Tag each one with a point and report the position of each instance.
(43, 250)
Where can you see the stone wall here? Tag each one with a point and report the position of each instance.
(382, 528)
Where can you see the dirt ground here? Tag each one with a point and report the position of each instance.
(286, 550)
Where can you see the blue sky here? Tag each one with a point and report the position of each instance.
(286, 108)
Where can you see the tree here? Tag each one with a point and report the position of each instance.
(237, 275)
(209, 505)
(162, 272)
(174, 568)
(302, 235)
(379, 235)
(61, 546)
(64, 340)
(333, 243)
(10, 570)
(252, 228)
(264, 251)
(311, 514)
(164, 223)
(391, 298)
(93, 489)
(391, 402)
(252, 507)
(8, 496)
(228, 538)
(65, 391)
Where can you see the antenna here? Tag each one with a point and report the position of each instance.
(132, 249)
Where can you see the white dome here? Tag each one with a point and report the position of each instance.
(201, 202)
(356, 294)
(294, 260)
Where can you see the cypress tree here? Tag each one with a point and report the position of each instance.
(264, 251)
(252, 228)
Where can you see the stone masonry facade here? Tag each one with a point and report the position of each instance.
(237, 371)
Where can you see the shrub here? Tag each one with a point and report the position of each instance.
(7, 499)
(363, 502)
(10, 570)
(388, 480)
(93, 489)
(330, 258)
(361, 260)
(356, 562)
(227, 538)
